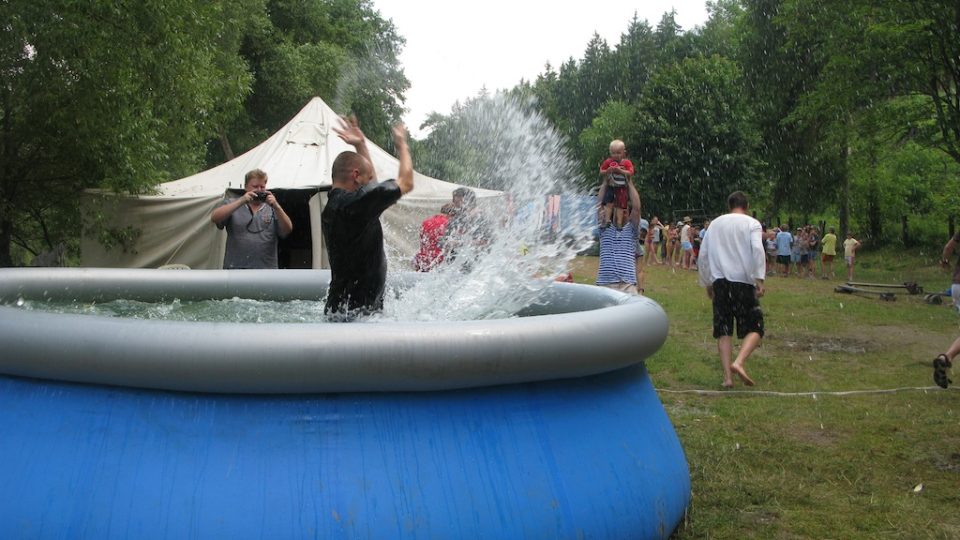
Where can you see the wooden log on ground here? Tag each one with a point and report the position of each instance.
(847, 289)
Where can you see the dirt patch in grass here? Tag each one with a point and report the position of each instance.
(759, 516)
(835, 345)
(892, 334)
(949, 463)
(864, 339)
(813, 435)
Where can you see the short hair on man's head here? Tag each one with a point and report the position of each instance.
(255, 174)
(344, 163)
(737, 199)
(468, 196)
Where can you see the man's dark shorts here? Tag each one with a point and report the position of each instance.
(783, 259)
(733, 301)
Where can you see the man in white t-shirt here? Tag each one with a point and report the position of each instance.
(732, 268)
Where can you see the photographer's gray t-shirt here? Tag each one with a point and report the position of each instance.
(251, 238)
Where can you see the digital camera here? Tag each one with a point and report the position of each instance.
(261, 196)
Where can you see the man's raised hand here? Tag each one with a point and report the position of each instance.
(349, 131)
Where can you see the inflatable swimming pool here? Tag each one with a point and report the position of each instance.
(544, 425)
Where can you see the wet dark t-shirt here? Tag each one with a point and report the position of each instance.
(354, 241)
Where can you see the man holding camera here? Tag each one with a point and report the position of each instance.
(254, 222)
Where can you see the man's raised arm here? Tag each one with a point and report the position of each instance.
(405, 174)
(634, 202)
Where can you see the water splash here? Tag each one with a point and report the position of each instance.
(510, 248)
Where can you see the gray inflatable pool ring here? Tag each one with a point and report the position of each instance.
(570, 331)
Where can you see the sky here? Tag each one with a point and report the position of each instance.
(455, 48)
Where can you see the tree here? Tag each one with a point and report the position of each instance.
(802, 171)
(720, 35)
(908, 48)
(635, 59)
(672, 43)
(340, 50)
(94, 95)
(895, 178)
(596, 79)
(870, 53)
(696, 138)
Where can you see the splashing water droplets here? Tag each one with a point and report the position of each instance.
(508, 249)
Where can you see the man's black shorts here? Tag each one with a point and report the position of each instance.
(783, 259)
(733, 301)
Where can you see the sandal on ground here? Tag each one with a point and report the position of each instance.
(940, 366)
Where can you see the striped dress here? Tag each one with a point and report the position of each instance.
(618, 261)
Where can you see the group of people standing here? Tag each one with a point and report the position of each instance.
(729, 258)
(801, 250)
(674, 245)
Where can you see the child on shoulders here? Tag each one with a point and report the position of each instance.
(616, 172)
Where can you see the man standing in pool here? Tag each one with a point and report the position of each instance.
(351, 223)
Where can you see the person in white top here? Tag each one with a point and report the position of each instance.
(732, 268)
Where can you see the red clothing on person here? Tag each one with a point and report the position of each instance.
(624, 164)
(618, 182)
(431, 235)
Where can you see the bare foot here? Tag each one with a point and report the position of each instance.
(727, 384)
(742, 374)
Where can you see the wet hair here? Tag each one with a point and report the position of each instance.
(737, 199)
(346, 162)
(468, 196)
(255, 174)
(448, 209)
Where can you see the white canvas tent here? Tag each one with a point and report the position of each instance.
(174, 226)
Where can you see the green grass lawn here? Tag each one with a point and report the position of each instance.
(779, 463)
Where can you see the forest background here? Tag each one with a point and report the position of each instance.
(846, 113)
